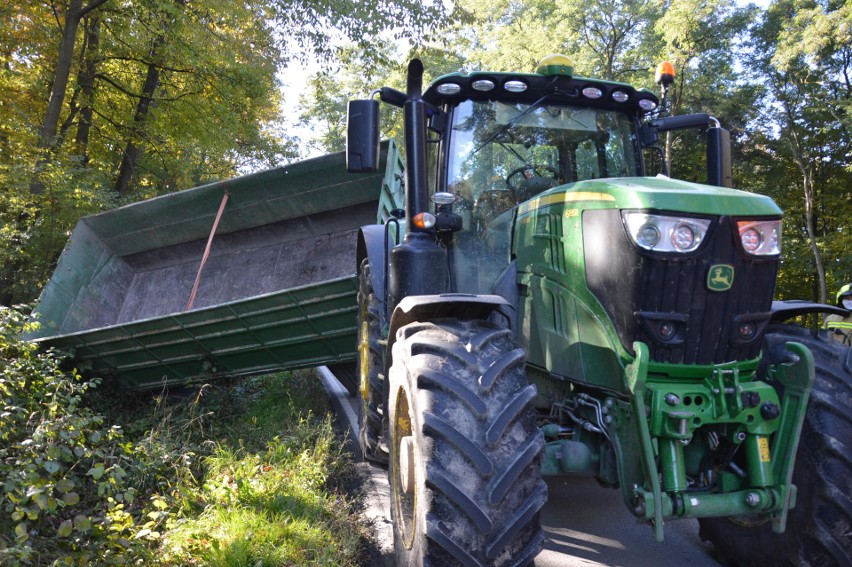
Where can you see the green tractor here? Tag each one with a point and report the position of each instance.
(539, 305)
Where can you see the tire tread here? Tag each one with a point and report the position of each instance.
(478, 420)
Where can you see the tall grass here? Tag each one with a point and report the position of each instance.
(237, 473)
(270, 490)
(263, 484)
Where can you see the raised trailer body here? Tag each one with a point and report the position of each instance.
(277, 291)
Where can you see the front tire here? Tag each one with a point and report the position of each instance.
(370, 362)
(465, 477)
(818, 528)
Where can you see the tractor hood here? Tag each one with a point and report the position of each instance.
(656, 193)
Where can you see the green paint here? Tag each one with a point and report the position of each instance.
(243, 322)
(797, 379)
(656, 193)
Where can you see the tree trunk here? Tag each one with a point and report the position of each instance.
(87, 87)
(61, 74)
(133, 151)
(59, 84)
(808, 184)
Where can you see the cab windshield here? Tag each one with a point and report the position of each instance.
(502, 154)
(523, 149)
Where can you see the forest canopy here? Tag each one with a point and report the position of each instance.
(105, 102)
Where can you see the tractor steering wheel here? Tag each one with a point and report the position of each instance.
(530, 171)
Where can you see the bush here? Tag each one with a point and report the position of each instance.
(67, 477)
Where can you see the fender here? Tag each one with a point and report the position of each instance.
(447, 305)
(371, 244)
(506, 287)
(783, 310)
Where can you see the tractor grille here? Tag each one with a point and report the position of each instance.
(664, 301)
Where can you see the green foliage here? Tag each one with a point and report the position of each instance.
(804, 140)
(262, 479)
(318, 27)
(238, 474)
(269, 506)
(68, 491)
(205, 116)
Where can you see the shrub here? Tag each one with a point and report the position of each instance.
(238, 471)
(67, 491)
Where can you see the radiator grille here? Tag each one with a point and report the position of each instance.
(639, 290)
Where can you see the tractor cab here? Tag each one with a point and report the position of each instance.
(501, 139)
(521, 134)
(501, 154)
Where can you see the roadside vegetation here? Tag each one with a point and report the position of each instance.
(242, 472)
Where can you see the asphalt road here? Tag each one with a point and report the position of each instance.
(587, 525)
(584, 524)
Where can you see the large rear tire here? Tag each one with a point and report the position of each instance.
(465, 477)
(370, 362)
(819, 528)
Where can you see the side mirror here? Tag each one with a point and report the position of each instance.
(719, 157)
(362, 136)
(718, 143)
(680, 122)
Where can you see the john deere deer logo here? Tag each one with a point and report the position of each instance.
(720, 277)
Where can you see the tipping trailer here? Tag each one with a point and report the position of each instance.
(277, 291)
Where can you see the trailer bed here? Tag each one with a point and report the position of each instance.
(278, 290)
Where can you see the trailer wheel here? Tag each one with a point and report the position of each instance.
(818, 528)
(465, 477)
(371, 382)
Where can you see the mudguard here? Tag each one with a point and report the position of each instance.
(784, 310)
(446, 305)
(371, 245)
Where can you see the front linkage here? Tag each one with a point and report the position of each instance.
(694, 429)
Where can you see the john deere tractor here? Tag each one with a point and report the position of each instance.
(538, 304)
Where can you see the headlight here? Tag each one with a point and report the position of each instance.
(760, 238)
(662, 233)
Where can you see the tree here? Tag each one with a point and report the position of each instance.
(806, 119)
(324, 106)
(700, 39)
(74, 12)
(604, 38)
(105, 102)
(155, 60)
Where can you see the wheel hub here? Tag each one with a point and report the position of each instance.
(406, 464)
(403, 490)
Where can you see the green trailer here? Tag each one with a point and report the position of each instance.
(277, 291)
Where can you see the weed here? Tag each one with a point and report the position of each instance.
(67, 474)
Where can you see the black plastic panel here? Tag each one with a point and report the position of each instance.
(639, 290)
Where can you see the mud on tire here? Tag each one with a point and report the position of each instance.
(466, 486)
(819, 528)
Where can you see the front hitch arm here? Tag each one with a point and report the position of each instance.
(771, 491)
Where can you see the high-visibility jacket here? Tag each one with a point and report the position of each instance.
(840, 328)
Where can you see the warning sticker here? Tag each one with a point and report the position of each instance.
(763, 447)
